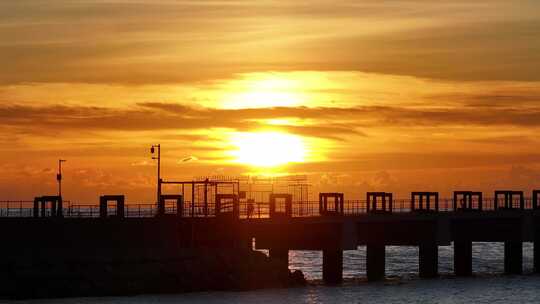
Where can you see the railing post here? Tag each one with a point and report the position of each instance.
(480, 201)
(193, 200)
(180, 206)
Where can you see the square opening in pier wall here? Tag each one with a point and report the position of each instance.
(331, 204)
(118, 205)
(280, 205)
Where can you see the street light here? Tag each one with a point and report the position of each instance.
(59, 176)
(153, 150)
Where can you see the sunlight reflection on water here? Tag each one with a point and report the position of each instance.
(402, 261)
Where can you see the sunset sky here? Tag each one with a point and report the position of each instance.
(359, 95)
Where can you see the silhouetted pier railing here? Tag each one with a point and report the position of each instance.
(251, 210)
(16, 208)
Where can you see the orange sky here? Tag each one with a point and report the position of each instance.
(377, 95)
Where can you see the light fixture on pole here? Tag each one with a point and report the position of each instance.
(59, 176)
(158, 158)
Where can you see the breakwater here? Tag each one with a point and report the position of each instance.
(53, 257)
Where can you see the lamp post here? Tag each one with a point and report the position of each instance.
(59, 176)
(153, 150)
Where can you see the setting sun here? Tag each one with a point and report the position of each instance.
(267, 149)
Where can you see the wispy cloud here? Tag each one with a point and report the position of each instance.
(113, 42)
(163, 116)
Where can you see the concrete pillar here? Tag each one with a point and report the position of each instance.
(375, 262)
(428, 260)
(463, 258)
(332, 266)
(281, 258)
(536, 255)
(513, 257)
(161, 207)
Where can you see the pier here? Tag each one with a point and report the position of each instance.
(229, 219)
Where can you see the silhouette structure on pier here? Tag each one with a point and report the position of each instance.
(216, 214)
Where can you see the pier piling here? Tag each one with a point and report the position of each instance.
(332, 266)
(428, 260)
(536, 255)
(375, 261)
(513, 257)
(463, 258)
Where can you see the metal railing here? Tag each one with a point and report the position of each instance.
(247, 210)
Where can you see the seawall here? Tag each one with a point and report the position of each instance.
(50, 257)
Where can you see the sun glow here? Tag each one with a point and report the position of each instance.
(268, 149)
(262, 91)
